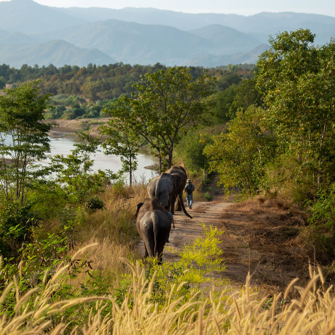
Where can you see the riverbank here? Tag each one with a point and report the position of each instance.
(68, 128)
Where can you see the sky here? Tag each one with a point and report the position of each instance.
(243, 7)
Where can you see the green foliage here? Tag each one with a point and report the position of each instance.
(74, 172)
(240, 156)
(208, 196)
(191, 147)
(298, 80)
(94, 203)
(16, 227)
(23, 139)
(165, 104)
(101, 82)
(322, 223)
(121, 140)
(197, 261)
(2, 82)
(227, 102)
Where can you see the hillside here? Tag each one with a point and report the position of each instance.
(249, 57)
(141, 35)
(135, 43)
(261, 23)
(27, 16)
(227, 40)
(56, 52)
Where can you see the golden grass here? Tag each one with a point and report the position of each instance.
(113, 230)
(241, 312)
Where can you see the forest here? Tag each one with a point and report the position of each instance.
(70, 262)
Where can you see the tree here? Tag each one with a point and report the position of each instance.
(122, 141)
(191, 148)
(240, 156)
(23, 138)
(299, 82)
(165, 104)
(74, 172)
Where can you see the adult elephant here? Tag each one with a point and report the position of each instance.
(166, 188)
(179, 174)
(153, 224)
(161, 188)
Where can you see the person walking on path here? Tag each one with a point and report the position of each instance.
(189, 188)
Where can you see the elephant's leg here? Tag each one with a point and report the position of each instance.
(146, 254)
(173, 201)
(179, 207)
(160, 249)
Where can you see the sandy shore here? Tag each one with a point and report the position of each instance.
(68, 128)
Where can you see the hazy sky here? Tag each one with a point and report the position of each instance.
(245, 7)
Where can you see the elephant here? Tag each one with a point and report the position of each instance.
(166, 189)
(153, 224)
(179, 176)
(161, 188)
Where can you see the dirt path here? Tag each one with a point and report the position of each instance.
(187, 230)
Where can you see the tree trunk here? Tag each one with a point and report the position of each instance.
(160, 162)
(130, 173)
(170, 157)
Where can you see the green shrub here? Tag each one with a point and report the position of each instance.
(322, 223)
(16, 224)
(208, 196)
(94, 203)
(119, 189)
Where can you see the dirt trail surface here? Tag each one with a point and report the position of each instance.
(187, 230)
(260, 238)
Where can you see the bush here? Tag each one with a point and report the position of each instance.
(208, 196)
(322, 223)
(16, 224)
(94, 203)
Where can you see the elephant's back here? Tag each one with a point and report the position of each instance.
(161, 219)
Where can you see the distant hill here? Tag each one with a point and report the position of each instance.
(136, 43)
(227, 40)
(212, 60)
(140, 35)
(57, 53)
(10, 38)
(262, 23)
(27, 16)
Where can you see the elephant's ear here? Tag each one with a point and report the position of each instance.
(138, 208)
(181, 168)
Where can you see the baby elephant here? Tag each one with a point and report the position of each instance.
(153, 224)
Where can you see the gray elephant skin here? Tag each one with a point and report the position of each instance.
(167, 187)
(161, 188)
(179, 177)
(153, 224)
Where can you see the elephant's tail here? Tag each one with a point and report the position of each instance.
(183, 207)
(155, 220)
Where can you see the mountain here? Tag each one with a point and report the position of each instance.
(27, 16)
(213, 60)
(135, 43)
(227, 40)
(32, 33)
(264, 23)
(57, 53)
(10, 38)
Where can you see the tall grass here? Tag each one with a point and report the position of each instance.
(241, 312)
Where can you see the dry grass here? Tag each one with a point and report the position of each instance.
(266, 237)
(242, 312)
(114, 231)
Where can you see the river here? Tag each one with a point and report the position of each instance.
(63, 146)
